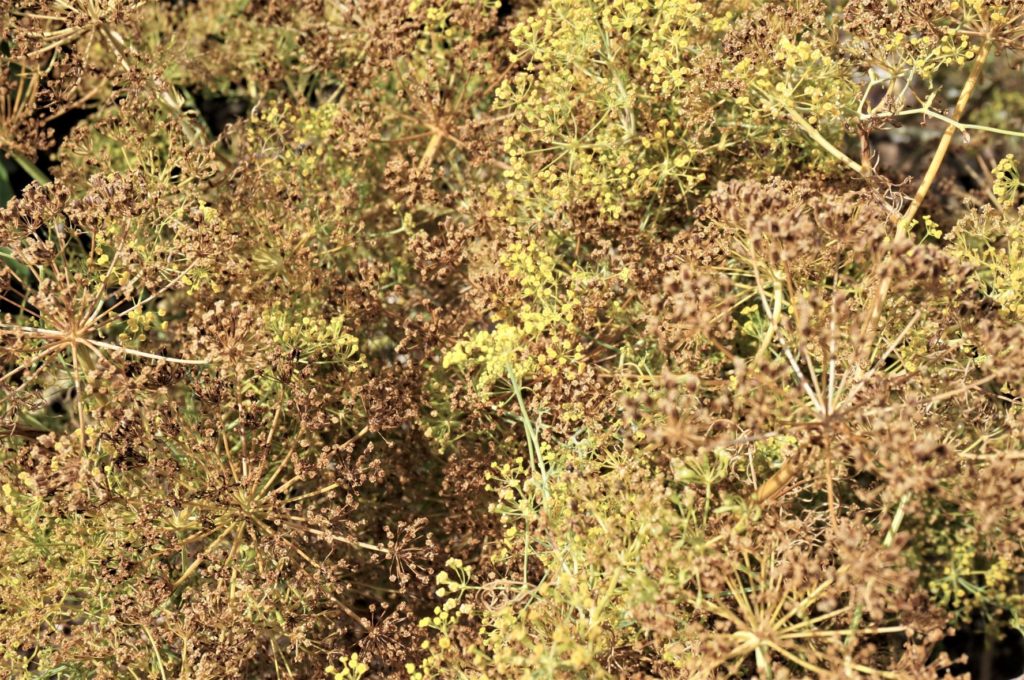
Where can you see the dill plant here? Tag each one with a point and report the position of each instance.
(463, 338)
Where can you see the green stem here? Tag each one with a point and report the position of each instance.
(897, 520)
(532, 440)
(961, 127)
(29, 167)
(813, 133)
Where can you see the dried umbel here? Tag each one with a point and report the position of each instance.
(459, 338)
(85, 278)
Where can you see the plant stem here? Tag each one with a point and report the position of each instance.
(774, 484)
(875, 313)
(945, 141)
(29, 167)
(813, 133)
(146, 355)
(897, 520)
(962, 127)
(532, 440)
(431, 150)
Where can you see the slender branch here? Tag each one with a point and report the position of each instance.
(774, 484)
(882, 292)
(957, 125)
(897, 520)
(146, 355)
(432, 146)
(813, 133)
(532, 440)
(945, 141)
(29, 167)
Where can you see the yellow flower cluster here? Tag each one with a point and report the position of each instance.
(545, 315)
(452, 584)
(599, 78)
(591, 541)
(994, 245)
(666, 50)
(1007, 181)
(804, 78)
(352, 669)
(23, 501)
(926, 54)
(512, 484)
(138, 321)
(994, 12)
(437, 13)
(296, 143)
(313, 338)
(8, 492)
(967, 582)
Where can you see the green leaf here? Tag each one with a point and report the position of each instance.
(6, 190)
(31, 168)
